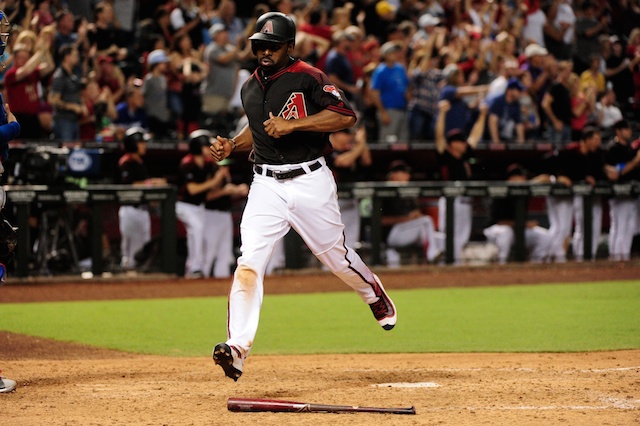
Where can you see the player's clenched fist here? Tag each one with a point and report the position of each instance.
(220, 148)
(277, 126)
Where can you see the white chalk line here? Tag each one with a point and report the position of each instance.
(613, 404)
(523, 369)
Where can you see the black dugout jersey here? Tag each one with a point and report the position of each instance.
(575, 165)
(452, 168)
(131, 170)
(619, 155)
(190, 171)
(296, 91)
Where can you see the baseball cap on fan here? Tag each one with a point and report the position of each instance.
(428, 20)
(157, 56)
(216, 29)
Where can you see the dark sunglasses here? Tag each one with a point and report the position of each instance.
(266, 45)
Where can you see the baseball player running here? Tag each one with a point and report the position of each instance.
(292, 108)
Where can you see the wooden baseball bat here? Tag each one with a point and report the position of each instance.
(278, 406)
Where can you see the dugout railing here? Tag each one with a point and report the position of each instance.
(22, 198)
(521, 191)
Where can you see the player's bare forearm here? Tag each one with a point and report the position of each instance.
(324, 121)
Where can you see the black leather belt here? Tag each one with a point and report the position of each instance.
(287, 174)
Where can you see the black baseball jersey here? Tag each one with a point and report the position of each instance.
(574, 164)
(452, 168)
(223, 203)
(131, 169)
(296, 91)
(190, 171)
(618, 155)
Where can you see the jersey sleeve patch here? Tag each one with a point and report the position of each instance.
(330, 88)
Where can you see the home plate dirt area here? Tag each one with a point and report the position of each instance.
(69, 384)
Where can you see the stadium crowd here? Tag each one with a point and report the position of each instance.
(521, 71)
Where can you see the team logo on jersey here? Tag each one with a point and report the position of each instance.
(295, 107)
(330, 88)
(267, 28)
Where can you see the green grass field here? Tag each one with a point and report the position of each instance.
(523, 318)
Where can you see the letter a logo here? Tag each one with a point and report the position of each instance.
(294, 107)
(267, 28)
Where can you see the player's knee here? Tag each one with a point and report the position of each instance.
(246, 276)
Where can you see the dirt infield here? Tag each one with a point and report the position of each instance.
(68, 384)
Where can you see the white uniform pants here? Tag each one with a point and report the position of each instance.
(623, 213)
(462, 222)
(560, 213)
(578, 230)
(192, 217)
(309, 204)
(537, 241)
(419, 231)
(218, 243)
(135, 232)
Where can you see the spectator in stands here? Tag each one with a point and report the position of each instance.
(583, 105)
(556, 30)
(625, 160)
(192, 70)
(349, 162)
(425, 79)
(503, 219)
(111, 76)
(390, 85)
(65, 96)
(337, 65)
(66, 33)
(607, 113)
(149, 30)
(594, 75)
(455, 93)
(538, 72)
(589, 26)
(403, 222)
(622, 73)
(427, 27)
(185, 19)
(222, 59)
(42, 16)
(557, 106)
(22, 88)
(104, 35)
(131, 112)
(100, 111)
(530, 117)
(505, 116)
(507, 69)
(154, 90)
(226, 15)
(454, 150)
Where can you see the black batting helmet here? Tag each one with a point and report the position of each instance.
(198, 139)
(131, 138)
(275, 27)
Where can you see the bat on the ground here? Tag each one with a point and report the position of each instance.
(277, 406)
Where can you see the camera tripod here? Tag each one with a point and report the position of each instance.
(54, 248)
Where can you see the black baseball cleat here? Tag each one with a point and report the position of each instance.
(383, 310)
(224, 357)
